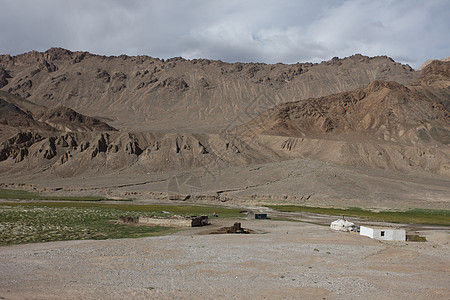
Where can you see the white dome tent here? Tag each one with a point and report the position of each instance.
(343, 225)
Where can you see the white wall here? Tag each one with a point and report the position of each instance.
(399, 235)
(389, 234)
(366, 231)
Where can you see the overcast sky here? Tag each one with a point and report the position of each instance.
(410, 31)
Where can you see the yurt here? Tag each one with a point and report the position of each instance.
(343, 225)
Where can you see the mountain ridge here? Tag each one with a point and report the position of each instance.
(141, 93)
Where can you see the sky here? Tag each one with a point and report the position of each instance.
(409, 31)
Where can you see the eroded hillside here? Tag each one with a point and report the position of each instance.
(142, 93)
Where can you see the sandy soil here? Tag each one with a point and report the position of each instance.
(291, 260)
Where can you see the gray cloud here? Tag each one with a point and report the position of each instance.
(410, 31)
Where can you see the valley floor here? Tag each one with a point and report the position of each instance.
(290, 260)
(297, 181)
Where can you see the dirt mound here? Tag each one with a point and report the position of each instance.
(235, 229)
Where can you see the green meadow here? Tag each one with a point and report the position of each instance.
(412, 216)
(58, 221)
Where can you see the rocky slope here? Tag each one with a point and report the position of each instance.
(434, 83)
(429, 61)
(142, 93)
(385, 111)
(383, 125)
(75, 153)
(397, 123)
(20, 115)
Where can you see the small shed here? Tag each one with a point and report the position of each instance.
(260, 216)
(343, 225)
(256, 215)
(383, 233)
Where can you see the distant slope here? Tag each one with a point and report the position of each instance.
(434, 83)
(66, 119)
(141, 93)
(429, 61)
(382, 125)
(17, 114)
(382, 110)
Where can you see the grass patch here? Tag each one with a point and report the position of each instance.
(415, 238)
(57, 221)
(158, 210)
(413, 216)
(24, 224)
(25, 195)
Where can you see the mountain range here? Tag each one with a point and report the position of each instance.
(65, 114)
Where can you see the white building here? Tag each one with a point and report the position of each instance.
(343, 225)
(385, 234)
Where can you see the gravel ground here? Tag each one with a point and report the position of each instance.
(291, 260)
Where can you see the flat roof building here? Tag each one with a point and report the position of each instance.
(383, 233)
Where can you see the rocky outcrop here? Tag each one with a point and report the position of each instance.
(86, 152)
(22, 89)
(49, 67)
(434, 83)
(174, 84)
(66, 119)
(436, 70)
(17, 147)
(4, 76)
(429, 61)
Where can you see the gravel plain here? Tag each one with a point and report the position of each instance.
(287, 260)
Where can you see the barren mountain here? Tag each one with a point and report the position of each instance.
(383, 125)
(142, 93)
(216, 119)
